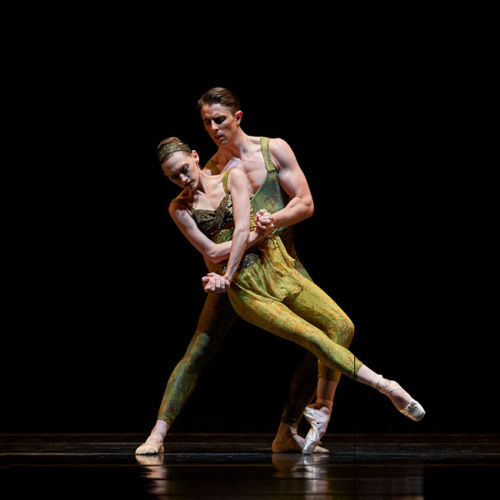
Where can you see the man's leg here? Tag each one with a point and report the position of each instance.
(217, 317)
(301, 391)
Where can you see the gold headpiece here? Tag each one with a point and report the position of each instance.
(171, 147)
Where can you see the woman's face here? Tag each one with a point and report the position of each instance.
(220, 123)
(182, 169)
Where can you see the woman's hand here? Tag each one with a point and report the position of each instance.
(215, 283)
(264, 223)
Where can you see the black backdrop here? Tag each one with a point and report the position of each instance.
(103, 292)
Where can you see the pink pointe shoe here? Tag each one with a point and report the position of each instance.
(318, 419)
(413, 410)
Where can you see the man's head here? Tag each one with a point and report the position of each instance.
(220, 95)
(221, 115)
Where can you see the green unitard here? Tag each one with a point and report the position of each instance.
(218, 316)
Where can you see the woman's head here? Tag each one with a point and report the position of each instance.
(179, 163)
(169, 146)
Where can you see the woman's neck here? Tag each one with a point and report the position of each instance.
(206, 183)
(209, 192)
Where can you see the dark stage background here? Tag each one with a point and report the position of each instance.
(103, 292)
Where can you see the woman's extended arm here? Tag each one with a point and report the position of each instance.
(238, 187)
(215, 283)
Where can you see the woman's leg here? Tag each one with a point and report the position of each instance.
(283, 320)
(279, 319)
(399, 397)
(316, 306)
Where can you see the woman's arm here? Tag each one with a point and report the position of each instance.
(237, 185)
(182, 218)
(232, 250)
(214, 252)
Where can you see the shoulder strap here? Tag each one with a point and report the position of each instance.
(225, 176)
(264, 144)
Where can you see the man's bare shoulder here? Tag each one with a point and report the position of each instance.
(281, 153)
(277, 145)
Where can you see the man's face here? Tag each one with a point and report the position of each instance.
(220, 123)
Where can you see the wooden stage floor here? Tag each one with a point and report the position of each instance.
(242, 466)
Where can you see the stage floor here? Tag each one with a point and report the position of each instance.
(242, 466)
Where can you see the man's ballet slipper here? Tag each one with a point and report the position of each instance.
(321, 451)
(149, 449)
(150, 459)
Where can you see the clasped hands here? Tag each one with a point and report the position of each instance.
(215, 283)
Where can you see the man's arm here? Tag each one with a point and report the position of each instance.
(294, 183)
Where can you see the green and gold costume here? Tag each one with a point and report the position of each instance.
(270, 285)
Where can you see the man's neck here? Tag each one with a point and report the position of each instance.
(237, 149)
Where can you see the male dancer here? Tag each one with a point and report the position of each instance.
(278, 185)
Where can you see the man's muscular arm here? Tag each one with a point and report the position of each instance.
(294, 182)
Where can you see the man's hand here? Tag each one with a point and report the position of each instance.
(264, 223)
(215, 283)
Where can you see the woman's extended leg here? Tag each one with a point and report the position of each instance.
(317, 307)
(277, 318)
(283, 319)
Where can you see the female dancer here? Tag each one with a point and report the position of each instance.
(213, 211)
